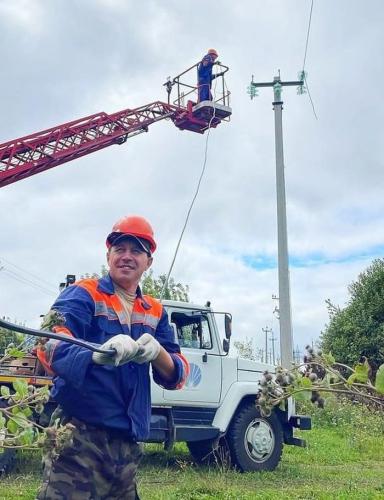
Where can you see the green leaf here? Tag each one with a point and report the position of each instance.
(14, 352)
(26, 437)
(21, 387)
(329, 359)
(4, 391)
(360, 374)
(2, 422)
(379, 383)
(12, 426)
(27, 412)
(302, 383)
(20, 420)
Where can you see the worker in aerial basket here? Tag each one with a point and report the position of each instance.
(204, 75)
(106, 397)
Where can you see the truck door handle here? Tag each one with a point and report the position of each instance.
(205, 357)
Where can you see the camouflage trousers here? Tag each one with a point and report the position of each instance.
(94, 466)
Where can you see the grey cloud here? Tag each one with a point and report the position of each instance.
(71, 59)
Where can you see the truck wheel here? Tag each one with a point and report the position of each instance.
(205, 452)
(256, 442)
(7, 455)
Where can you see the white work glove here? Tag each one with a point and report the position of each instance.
(126, 349)
(149, 349)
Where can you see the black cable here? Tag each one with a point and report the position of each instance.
(195, 195)
(306, 43)
(56, 336)
(25, 281)
(310, 98)
(305, 58)
(25, 271)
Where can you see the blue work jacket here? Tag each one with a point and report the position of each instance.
(116, 398)
(204, 72)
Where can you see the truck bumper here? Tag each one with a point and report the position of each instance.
(302, 422)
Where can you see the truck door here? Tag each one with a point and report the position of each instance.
(198, 342)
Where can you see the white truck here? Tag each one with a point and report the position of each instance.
(215, 413)
(216, 410)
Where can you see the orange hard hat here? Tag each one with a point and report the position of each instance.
(213, 51)
(135, 226)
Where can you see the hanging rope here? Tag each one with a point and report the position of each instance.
(165, 284)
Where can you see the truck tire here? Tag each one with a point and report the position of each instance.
(7, 455)
(256, 442)
(209, 452)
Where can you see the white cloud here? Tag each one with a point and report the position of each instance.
(113, 55)
(23, 15)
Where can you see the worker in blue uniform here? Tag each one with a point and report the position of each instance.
(104, 399)
(204, 75)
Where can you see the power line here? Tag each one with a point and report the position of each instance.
(25, 271)
(309, 95)
(26, 281)
(309, 28)
(304, 61)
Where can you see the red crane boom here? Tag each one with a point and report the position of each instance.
(41, 151)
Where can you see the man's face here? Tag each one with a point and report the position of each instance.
(127, 262)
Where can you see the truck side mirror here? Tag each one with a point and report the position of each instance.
(228, 326)
(226, 345)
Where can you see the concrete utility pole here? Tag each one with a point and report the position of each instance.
(266, 330)
(273, 340)
(286, 337)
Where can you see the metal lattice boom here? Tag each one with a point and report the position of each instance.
(41, 151)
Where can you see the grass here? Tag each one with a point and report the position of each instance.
(343, 460)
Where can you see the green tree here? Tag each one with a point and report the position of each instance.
(173, 291)
(245, 349)
(103, 272)
(8, 337)
(358, 329)
(153, 286)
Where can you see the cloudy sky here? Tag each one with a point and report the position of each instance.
(63, 60)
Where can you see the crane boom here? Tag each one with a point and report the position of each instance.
(41, 151)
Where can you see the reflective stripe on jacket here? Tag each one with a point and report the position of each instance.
(108, 396)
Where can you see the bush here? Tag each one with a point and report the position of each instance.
(344, 415)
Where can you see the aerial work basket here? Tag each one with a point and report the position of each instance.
(199, 116)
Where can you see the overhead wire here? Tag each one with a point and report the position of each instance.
(25, 281)
(165, 284)
(25, 271)
(305, 59)
(308, 30)
(21, 279)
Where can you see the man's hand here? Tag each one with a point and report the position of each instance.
(149, 349)
(126, 349)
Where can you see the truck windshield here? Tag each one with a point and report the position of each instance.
(193, 330)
